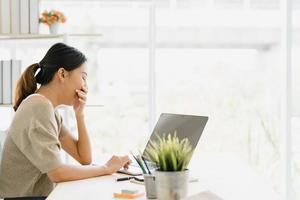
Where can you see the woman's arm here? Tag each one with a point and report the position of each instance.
(79, 149)
(83, 144)
(70, 173)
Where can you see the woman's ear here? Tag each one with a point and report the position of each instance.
(61, 73)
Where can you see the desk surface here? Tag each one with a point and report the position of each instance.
(225, 176)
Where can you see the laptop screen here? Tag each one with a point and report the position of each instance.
(186, 126)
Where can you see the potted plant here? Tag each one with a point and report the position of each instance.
(52, 19)
(171, 157)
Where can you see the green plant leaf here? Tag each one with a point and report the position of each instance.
(169, 152)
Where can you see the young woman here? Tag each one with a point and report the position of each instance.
(31, 162)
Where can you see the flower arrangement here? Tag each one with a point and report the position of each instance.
(52, 17)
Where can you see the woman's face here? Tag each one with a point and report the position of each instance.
(74, 80)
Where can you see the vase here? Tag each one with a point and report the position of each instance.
(171, 185)
(53, 28)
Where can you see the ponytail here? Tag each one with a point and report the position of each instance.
(26, 85)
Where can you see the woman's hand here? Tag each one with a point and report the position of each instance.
(116, 163)
(80, 100)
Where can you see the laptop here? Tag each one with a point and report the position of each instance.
(186, 126)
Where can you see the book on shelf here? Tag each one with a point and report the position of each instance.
(1, 85)
(34, 16)
(4, 16)
(6, 82)
(15, 16)
(24, 16)
(19, 16)
(10, 74)
(16, 67)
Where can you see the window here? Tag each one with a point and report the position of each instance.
(219, 58)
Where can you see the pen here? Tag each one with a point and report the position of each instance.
(130, 178)
(139, 162)
(141, 155)
(136, 182)
(124, 179)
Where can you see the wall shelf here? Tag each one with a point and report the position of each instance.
(88, 106)
(46, 36)
(6, 105)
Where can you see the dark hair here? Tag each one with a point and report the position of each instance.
(58, 56)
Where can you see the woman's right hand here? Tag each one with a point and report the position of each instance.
(115, 163)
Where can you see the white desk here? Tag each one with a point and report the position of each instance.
(225, 176)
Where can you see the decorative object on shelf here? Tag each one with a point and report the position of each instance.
(53, 19)
(171, 156)
(10, 71)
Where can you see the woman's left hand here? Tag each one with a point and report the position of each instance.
(80, 100)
